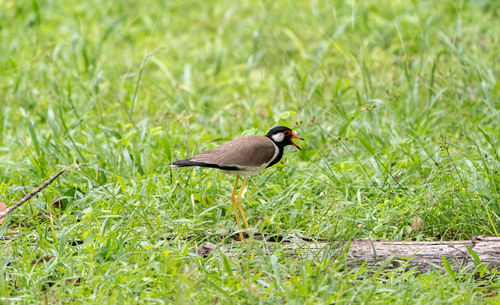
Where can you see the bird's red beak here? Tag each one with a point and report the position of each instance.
(295, 137)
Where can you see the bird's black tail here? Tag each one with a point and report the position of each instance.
(184, 163)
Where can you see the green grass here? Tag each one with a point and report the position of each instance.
(398, 102)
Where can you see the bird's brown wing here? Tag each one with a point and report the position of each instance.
(242, 152)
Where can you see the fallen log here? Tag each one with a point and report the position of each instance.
(425, 255)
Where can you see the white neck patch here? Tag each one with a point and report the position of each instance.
(278, 137)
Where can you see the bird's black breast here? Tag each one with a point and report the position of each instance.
(277, 158)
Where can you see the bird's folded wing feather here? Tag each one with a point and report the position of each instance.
(242, 152)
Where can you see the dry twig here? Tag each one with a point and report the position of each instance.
(31, 194)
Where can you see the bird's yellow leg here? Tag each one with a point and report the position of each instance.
(234, 189)
(238, 201)
(233, 204)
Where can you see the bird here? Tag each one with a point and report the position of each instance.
(246, 156)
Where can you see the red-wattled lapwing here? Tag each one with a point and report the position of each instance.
(245, 156)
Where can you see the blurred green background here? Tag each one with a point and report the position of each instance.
(398, 102)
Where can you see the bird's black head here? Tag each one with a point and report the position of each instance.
(282, 136)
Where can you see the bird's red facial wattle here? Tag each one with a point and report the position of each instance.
(291, 136)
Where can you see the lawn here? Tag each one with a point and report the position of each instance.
(398, 101)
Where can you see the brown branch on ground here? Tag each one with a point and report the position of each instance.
(31, 194)
(425, 255)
